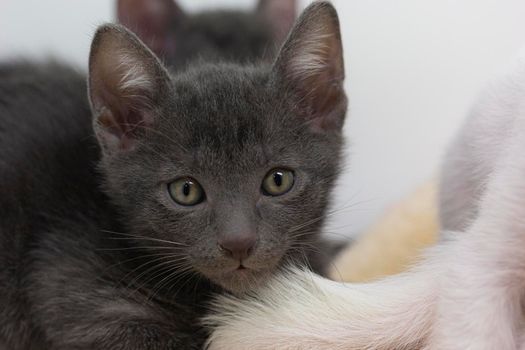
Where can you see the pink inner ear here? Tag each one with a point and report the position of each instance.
(329, 108)
(124, 127)
(125, 80)
(320, 88)
(121, 118)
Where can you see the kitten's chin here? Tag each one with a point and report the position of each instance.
(240, 281)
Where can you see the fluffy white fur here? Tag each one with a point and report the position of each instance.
(301, 311)
(467, 293)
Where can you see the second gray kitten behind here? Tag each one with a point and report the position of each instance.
(179, 38)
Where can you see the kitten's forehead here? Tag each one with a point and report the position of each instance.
(229, 115)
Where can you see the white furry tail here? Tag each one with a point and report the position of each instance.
(299, 310)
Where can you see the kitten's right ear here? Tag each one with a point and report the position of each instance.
(154, 22)
(126, 82)
(310, 64)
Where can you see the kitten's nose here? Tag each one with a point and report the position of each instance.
(239, 246)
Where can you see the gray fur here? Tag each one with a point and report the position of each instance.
(81, 244)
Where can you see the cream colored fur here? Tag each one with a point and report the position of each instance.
(395, 242)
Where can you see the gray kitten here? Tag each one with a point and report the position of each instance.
(212, 180)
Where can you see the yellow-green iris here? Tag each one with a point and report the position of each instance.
(186, 191)
(277, 182)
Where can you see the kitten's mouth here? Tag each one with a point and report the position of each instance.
(241, 279)
(240, 276)
(242, 271)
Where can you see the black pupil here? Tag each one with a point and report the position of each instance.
(278, 178)
(186, 188)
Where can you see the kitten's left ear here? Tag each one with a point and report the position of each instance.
(311, 65)
(126, 83)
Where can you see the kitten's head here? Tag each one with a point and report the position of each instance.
(178, 37)
(234, 164)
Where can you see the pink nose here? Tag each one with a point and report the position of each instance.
(239, 247)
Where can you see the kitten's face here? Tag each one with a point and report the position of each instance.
(229, 148)
(235, 165)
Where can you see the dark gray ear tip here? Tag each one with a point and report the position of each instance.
(110, 29)
(107, 28)
(102, 32)
(321, 8)
(105, 36)
(115, 33)
(320, 12)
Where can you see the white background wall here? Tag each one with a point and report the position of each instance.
(413, 69)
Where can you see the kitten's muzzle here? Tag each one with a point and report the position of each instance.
(237, 246)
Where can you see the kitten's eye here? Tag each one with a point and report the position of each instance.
(186, 191)
(278, 182)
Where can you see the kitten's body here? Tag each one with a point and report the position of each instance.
(103, 257)
(61, 285)
(25, 150)
(467, 293)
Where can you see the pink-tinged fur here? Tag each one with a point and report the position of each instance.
(468, 291)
